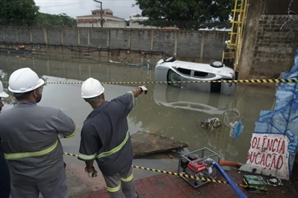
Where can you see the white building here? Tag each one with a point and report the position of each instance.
(106, 16)
(110, 21)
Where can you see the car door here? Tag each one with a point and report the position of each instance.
(198, 86)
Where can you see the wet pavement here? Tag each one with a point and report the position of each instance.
(169, 186)
(78, 181)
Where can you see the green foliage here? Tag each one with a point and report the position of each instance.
(18, 12)
(26, 13)
(186, 14)
(44, 19)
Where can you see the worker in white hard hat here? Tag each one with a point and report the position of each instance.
(4, 171)
(105, 138)
(30, 140)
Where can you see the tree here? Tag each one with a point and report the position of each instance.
(186, 14)
(67, 20)
(18, 12)
(45, 19)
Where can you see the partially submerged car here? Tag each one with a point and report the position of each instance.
(174, 71)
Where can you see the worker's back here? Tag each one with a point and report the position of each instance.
(108, 124)
(30, 142)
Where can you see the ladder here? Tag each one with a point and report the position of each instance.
(233, 46)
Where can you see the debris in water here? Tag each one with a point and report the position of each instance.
(211, 123)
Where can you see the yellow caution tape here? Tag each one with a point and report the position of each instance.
(277, 80)
(204, 179)
(70, 154)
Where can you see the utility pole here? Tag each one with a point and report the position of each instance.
(101, 19)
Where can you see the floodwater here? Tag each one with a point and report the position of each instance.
(165, 110)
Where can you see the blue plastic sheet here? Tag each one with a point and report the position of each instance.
(237, 130)
(283, 119)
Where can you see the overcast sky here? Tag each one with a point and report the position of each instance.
(73, 8)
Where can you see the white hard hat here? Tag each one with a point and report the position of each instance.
(2, 93)
(24, 80)
(91, 88)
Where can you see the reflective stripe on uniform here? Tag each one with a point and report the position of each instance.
(128, 179)
(133, 98)
(115, 189)
(15, 156)
(114, 150)
(71, 135)
(87, 157)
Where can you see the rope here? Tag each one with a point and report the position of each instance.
(230, 116)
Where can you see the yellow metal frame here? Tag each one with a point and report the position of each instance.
(234, 46)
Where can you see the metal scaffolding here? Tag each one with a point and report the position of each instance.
(233, 46)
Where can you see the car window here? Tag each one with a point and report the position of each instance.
(200, 74)
(184, 71)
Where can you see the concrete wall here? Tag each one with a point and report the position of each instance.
(274, 48)
(116, 24)
(268, 45)
(281, 7)
(188, 45)
(107, 24)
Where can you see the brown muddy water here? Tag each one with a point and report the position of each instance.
(165, 110)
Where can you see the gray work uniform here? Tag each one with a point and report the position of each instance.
(33, 150)
(105, 138)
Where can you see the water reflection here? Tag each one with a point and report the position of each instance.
(75, 68)
(208, 103)
(165, 110)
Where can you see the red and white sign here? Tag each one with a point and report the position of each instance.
(268, 155)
